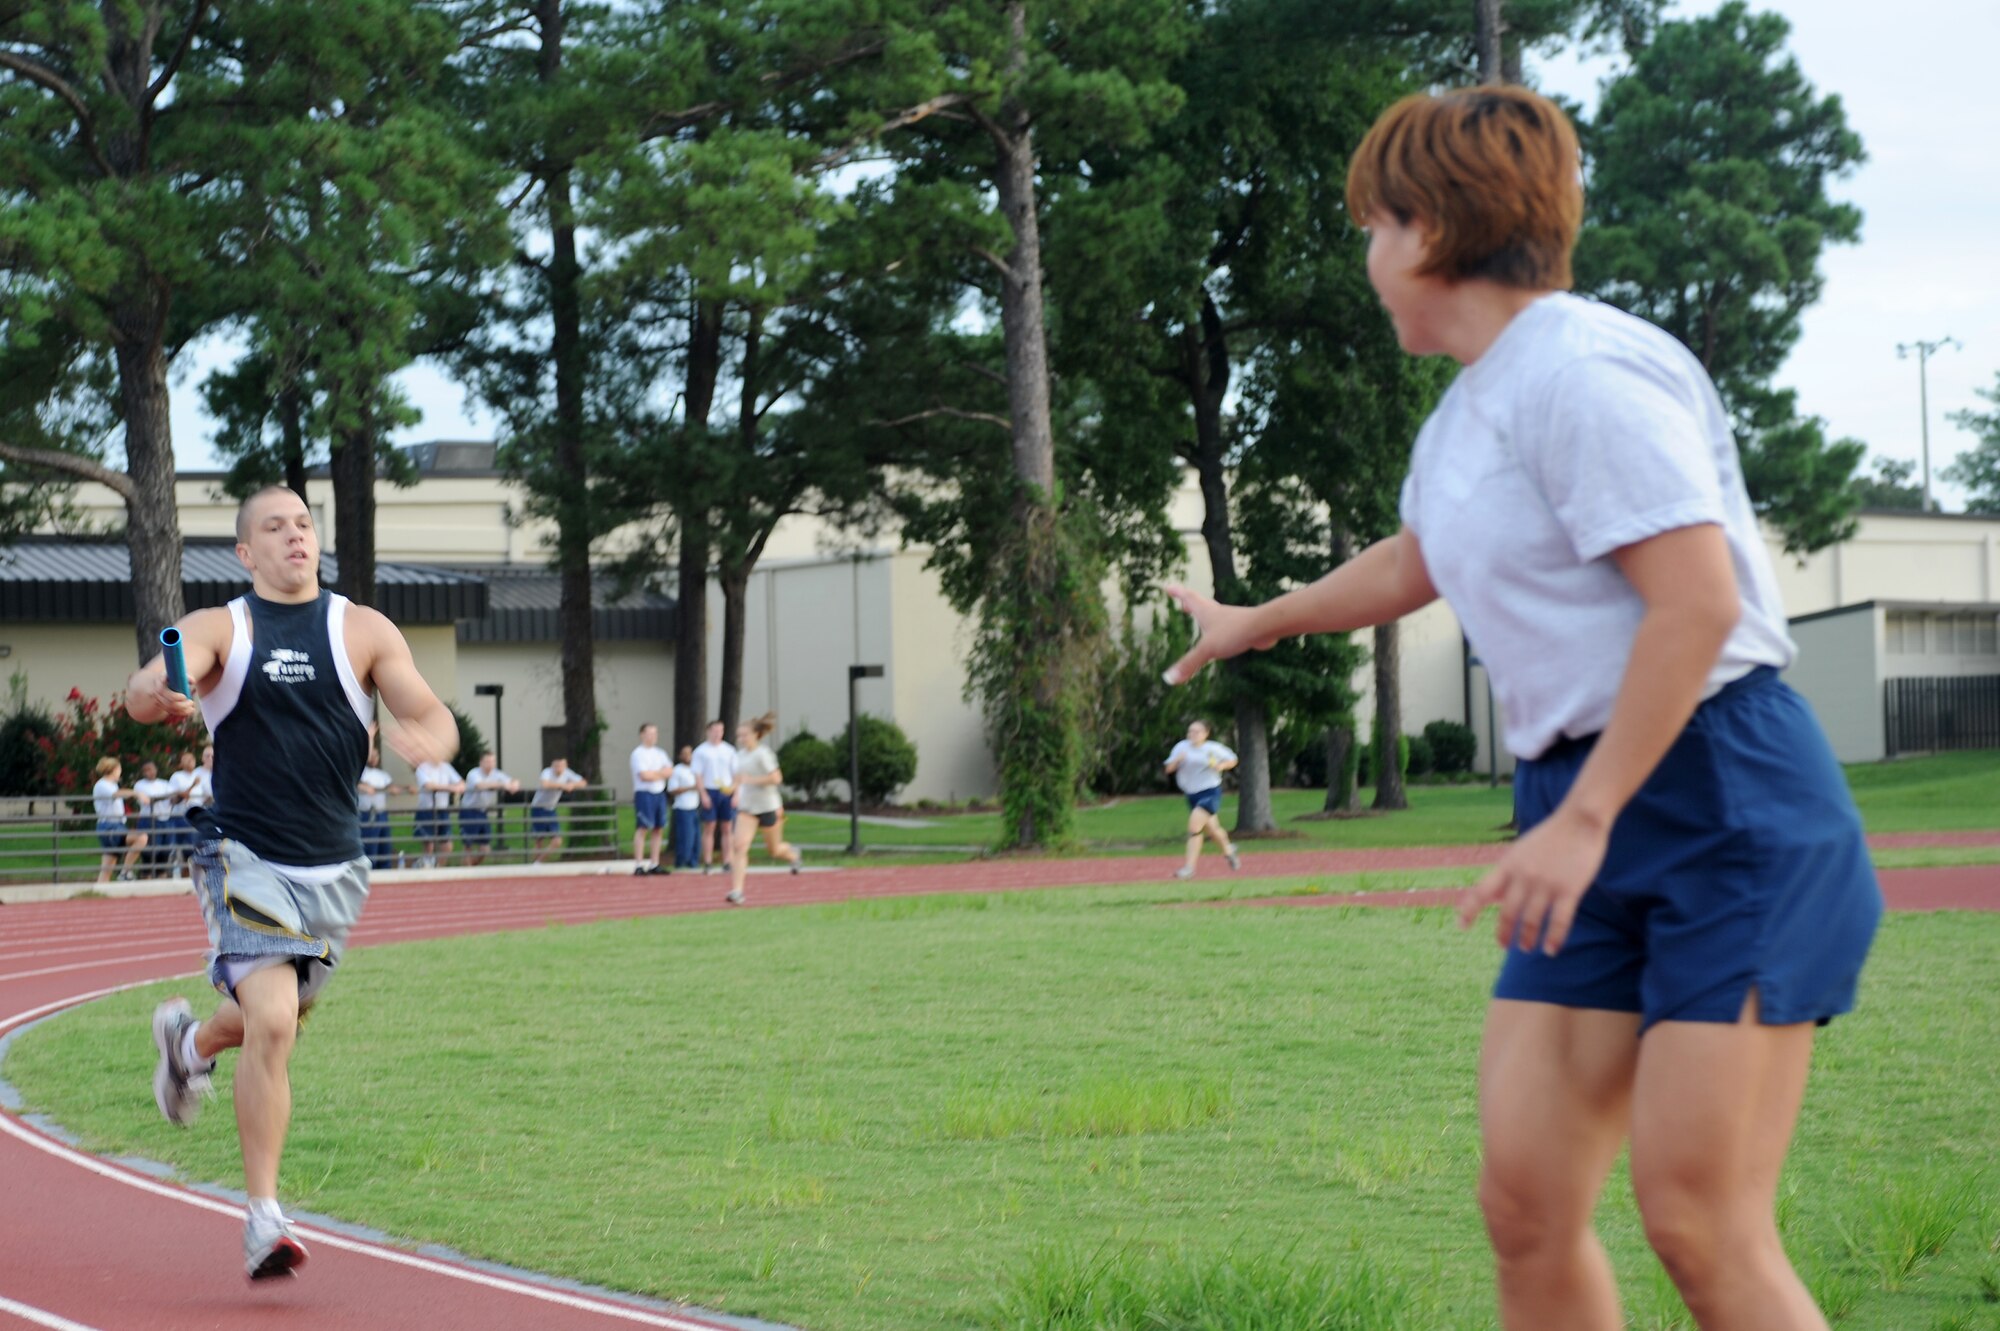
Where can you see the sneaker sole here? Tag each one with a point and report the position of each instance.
(166, 1029)
(285, 1257)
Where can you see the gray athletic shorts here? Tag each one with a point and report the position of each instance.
(259, 915)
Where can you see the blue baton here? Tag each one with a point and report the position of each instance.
(177, 670)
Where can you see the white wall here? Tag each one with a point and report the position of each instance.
(635, 684)
(1838, 673)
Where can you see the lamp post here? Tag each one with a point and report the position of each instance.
(494, 691)
(855, 674)
(1925, 350)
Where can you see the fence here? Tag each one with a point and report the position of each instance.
(45, 839)
(1936, 713)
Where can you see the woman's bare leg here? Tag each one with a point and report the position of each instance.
(1555, 1088)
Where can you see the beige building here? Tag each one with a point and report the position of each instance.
(818, 604)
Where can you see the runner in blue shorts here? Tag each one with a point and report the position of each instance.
(1196, 765)
(1691, 895)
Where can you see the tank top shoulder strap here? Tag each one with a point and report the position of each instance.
(350, 682)
(220, 701)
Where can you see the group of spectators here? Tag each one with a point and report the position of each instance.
(709, 803)
(153, 837)
(478, 792)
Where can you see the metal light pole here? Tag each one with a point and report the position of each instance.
(855, 674)
(495, 691)
(1925, 350)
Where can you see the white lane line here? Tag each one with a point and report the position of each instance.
(13, 1128)
(40, 1316)
(95, 965)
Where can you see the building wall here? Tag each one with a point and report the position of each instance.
(1896, 558)
(1922, 642)
(1838, 673)
(635, 684)
(55, 658)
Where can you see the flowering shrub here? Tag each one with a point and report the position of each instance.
(86, 731)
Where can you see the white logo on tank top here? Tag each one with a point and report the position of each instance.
(286, 666)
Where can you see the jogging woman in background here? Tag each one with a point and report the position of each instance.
(760, 804)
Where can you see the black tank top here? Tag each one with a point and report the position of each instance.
(291, 742)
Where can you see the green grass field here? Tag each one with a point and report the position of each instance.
(1039, 1110)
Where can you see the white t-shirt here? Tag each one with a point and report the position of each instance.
(1580, 431)
(546, 799)
(649, 759)
(715, 764)
(155, 797)
(759, 798)
(683, 780)
(435, 774)
(476, 799)
(1197, 770)
(110, 805)
(190, 789)
(379, 801)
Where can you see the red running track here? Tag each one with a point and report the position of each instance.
(92, 1245)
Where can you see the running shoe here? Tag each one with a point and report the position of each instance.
(176, 1090)
(735, 898)
(1185, 871)
(270, 1249)
(798, 858)
(1235, 859)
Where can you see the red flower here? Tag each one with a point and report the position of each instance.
(75, 695)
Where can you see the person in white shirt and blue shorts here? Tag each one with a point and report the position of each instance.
(650, 766)
(1196, 764)
(1691, 894)
(544, 823)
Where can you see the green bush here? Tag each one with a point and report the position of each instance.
(809, 763)
(1453, 746)
(1422, 760)
(1365, 771)
(1135, 716)
(888, 759)
(90, 730)
(471, 744)
(23, 737)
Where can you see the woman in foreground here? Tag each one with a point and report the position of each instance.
(1691, 894)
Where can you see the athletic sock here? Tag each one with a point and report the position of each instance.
(266, 1207)
(195, 1063)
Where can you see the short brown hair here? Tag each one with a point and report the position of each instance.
(1493, 172)
(243, 509)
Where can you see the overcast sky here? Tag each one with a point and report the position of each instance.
(1917, 82)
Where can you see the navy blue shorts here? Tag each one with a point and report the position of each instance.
(1210, 799)
(433, 825)
(649, 807)
(474, 828)
(721, 808)
(110, 834)
(1739, 865)
(544, 822)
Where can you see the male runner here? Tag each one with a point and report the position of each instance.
(283, 675)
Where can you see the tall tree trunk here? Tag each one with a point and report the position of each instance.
(697, 540)
(1339, 769)
(735, 580)
(1388, 718)
(152, 517)
(292, 444)
(691, 633)
(353, 469)
(1340, 754)
(1205, 371)
(575, 522)
(1024, 330)
(1490, 27)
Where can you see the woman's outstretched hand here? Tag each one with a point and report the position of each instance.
(1221, 631)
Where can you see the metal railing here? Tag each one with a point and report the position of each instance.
(1934, 714)
(53, 838)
